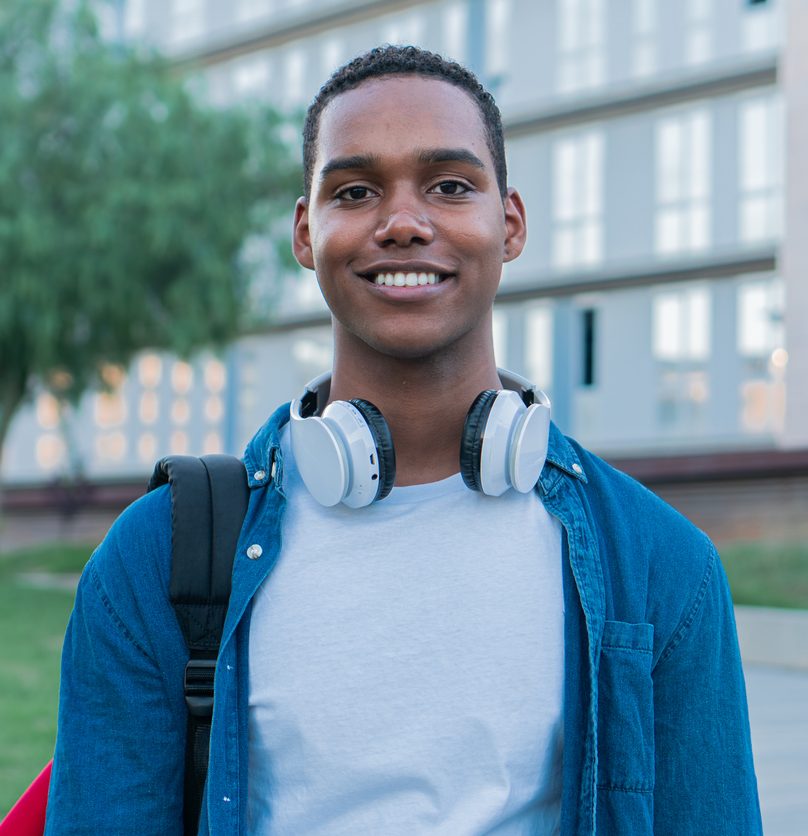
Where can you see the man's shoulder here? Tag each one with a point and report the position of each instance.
(655, 563)
(625, 506)
(133, 562)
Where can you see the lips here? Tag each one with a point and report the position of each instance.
(405, 274)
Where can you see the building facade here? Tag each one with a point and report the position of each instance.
(659, 148)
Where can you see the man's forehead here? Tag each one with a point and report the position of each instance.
(399, 110)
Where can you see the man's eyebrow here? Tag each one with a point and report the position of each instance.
(427, 156)
(349, 163)
(430, 156)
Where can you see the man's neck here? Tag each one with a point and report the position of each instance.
(424, 402)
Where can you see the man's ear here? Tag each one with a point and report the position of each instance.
(515, 225)
(301, 238)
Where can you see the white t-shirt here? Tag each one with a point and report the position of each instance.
(406, 667)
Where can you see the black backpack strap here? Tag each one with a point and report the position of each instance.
(208, 502)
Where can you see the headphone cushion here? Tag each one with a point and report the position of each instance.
(471, 442)
(383, 442)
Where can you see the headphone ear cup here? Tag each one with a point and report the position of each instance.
(384, 445)
(471, 442)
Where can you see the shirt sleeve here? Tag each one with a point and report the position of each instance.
(119, 758)
(703, 752)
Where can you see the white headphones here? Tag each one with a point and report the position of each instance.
(346, 454)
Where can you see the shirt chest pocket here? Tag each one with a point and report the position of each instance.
(626, 708)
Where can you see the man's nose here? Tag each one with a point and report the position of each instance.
(402, 226)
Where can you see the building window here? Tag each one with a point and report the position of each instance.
(698, 31)
(113, 376)
(538, 358)
(180, 411)
(212, 443)
(332, 55)
(578, 200)
(455, 30)
(150, 370)
(644, 56)
(214, 409)
(187, 20)
(135, 18)
(681, 324)
(497, 29)
(499, 328)
(47, 411)
(760, 26)
(761, 340)
(761, 305)
(149, 408)
(760, 163)
(50, 451)
(179, 442)
(147, 447)
(294, 68)
(581, 44)
(110, 409)
(250, 77)
(588, 346)
(182, 377)
(403, 30)
(215, 375)
(681, 345)
(683, 182)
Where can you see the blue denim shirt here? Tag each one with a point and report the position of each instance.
(656, 732)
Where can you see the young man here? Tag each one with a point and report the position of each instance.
(559, 657)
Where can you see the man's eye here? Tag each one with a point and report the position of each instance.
(450, 188)
(354, 193)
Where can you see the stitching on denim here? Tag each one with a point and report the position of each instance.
(113, 614)
(632, 647)
(678, 635)
(643, 788)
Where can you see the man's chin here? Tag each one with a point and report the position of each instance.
(410, 347)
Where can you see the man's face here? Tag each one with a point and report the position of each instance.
(403, 185)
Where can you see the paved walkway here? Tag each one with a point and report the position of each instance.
(778, 709)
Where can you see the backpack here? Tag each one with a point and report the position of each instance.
(208, 502)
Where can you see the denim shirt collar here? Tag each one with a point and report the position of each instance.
(262, 458)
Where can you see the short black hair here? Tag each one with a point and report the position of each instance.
(405, 60)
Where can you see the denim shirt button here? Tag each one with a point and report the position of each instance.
(577, 468)
(260, 475)
(254, 551)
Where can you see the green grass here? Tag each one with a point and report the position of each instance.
(33, 621)
(32, 625)
(768, 574)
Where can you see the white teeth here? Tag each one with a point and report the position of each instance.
(406, 279)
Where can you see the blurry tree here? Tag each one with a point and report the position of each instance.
(125, 204)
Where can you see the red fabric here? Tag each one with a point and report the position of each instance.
(27, 816)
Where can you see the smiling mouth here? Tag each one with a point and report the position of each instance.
(401, 279)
